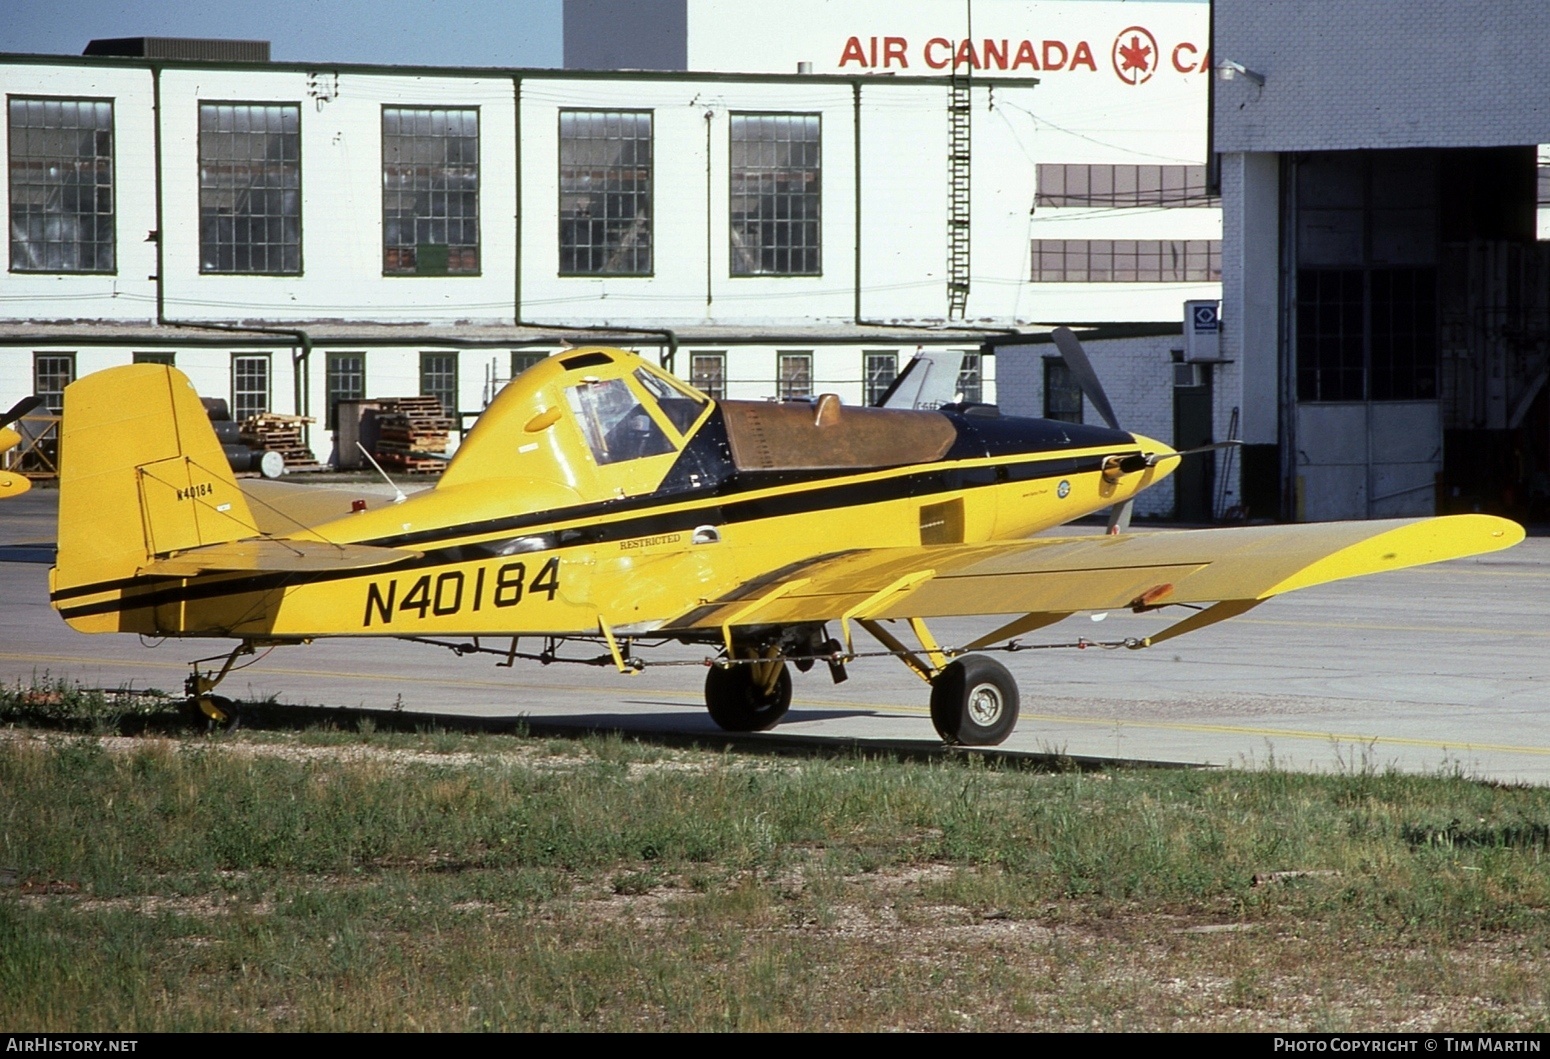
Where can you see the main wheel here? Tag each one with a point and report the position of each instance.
(974, 702)
(737, 701)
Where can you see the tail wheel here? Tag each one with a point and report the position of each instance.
(748, 698)
(214, 713)
(974, 702)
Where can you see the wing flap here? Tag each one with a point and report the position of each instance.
(268, 555)
(1069, 574)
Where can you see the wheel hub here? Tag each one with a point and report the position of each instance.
(985, 704)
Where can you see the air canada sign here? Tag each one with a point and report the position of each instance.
(1134, 55)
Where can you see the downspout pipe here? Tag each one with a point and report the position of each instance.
(301, 357)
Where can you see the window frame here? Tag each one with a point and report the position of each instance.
(873, 391)
(532, 357)
(478, 198)
(1053, 365)
(719, 356)
(1124, 260)
(155, 356)
(66, 357)
(782, 357)
(1127, 185)
(199, 161)
(453, 412)
(649, 196)
(733, 249)
(971, 369)
(237, 411)
(333, 394)
(13, 184)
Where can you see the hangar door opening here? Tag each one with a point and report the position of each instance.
(1366, 422)
(1415, 334)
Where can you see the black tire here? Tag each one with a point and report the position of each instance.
(204, 722)
(738, 704)
(974, 702)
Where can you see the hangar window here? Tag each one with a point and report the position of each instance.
(62, 217)
(879, 369)
(1127, 261)
(708, 374)
(775, 221)
(1123, 185)
(1062, 394)
(605, 192)
(971, 378)
(1366, 282)
(51, 373)
(346, 381)
(794, 375)
(249, 385)
(430, 191)
(523, 359)
(250, 188)
(438, 379)
(1542, 198)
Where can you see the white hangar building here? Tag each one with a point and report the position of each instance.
(776, 207)
(1386, 279)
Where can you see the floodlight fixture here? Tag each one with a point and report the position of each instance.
(1230, 70)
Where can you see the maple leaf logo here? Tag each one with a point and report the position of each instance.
(1135, 55)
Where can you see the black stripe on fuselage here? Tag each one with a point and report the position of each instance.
(717, 509)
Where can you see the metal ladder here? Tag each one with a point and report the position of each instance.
(958, 183)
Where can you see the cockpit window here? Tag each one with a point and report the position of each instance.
(617, 426)
(681, 406)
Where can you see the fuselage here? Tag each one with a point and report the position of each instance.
(598, 489)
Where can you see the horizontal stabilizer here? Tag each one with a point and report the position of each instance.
(274, 556)
(13, 484)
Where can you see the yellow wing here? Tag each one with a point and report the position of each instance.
(1048, 578)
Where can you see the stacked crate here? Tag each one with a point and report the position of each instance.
(277, 433)
(412, 432)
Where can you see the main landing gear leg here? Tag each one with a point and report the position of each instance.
(216, 713)
(749, 696)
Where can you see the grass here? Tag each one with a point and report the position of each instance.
(378, 880)
(53, 702)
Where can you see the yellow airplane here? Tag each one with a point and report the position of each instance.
(600, 499)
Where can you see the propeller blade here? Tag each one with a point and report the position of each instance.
(1082, 371)
(1119, 517)
(19, 409)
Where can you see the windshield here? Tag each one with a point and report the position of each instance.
(681, 406)
(616, 425)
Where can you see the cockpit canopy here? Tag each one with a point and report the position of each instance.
(619, 424)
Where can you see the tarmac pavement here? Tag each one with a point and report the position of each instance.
(1444, 667)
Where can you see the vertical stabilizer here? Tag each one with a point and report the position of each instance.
(142, 475)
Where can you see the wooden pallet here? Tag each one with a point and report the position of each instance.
(408, 427)
(282, 434)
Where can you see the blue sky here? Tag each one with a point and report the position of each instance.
(426, 32)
